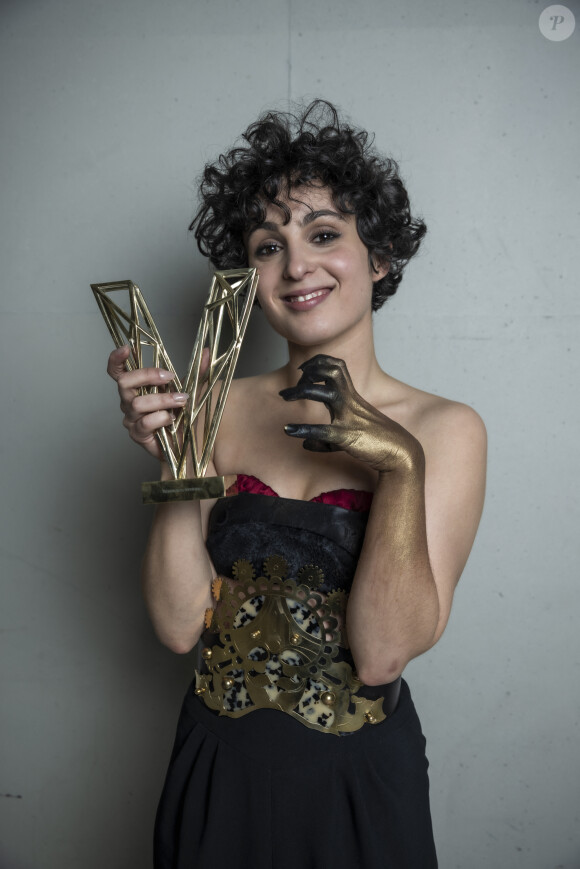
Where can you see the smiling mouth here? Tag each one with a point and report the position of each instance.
(306, 297)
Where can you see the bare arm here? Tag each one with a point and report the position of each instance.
(419, 535)
(177, 575)
(177, 570)
(422, 523)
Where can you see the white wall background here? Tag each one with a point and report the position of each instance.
(108, 112)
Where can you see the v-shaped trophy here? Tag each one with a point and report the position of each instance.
(187, 444)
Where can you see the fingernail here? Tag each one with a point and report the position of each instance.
(180, 397)
(166, 375)
(290, 429)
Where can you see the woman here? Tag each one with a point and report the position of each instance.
(298, 743)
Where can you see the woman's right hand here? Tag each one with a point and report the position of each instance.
(144, 414)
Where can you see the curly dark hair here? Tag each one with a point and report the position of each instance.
(282, 151)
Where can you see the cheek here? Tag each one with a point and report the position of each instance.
(261, 292)
(265, 303)
(353, 264)
(263, 296)
(268, 284)
(356, 271)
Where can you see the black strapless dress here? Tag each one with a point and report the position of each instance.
(259, 788)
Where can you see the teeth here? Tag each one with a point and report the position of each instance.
(307, 297)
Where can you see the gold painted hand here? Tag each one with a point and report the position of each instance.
(356, 427)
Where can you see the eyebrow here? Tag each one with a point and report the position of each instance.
(308, 218)
(325, 212)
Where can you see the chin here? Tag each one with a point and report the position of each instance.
(307, 337)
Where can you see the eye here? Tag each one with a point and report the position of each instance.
(325, 236)
(267, 249)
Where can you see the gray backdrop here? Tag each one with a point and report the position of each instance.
(109, 110)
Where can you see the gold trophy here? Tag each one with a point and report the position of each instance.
(189, 441)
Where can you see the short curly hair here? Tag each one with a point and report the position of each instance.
(281, 151)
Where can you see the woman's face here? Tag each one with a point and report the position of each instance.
(315, 277)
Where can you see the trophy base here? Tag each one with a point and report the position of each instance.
(194, 489)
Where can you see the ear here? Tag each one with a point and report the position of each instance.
(379, 267)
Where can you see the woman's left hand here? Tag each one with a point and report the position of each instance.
(356, 427)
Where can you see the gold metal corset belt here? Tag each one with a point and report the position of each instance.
(278, 649)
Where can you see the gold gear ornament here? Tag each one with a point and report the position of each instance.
(278, 648)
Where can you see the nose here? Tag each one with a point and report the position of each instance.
(298, 262)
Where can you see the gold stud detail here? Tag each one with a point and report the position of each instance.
(206, 654)
(370, 718)
(199, 691)
(255, 635)
(328, 698)
(274, 645)
(295, 639)
(227, 683)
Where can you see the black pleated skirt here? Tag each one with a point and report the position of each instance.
(266, 792)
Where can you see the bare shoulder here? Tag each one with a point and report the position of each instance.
(446, 426)
(454, 440)
(441, 425)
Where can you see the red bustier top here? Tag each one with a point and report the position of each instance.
(350, 499)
